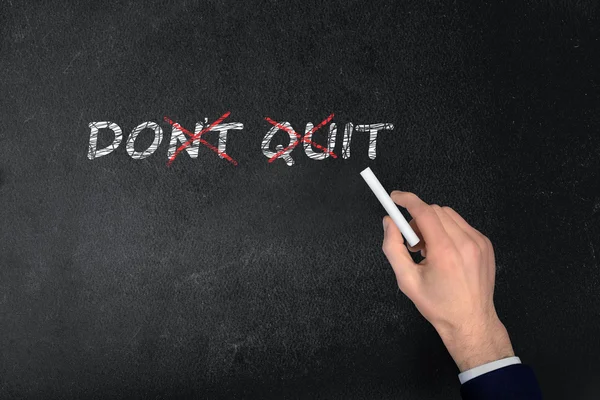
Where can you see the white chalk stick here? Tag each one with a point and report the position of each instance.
(391, 207)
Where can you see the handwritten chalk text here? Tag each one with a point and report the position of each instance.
(183, 140)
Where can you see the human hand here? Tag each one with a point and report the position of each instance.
(453, 287)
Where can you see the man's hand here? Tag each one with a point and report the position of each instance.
(453, 287)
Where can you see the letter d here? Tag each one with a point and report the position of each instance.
(94, 128)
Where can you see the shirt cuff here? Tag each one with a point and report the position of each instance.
(485, 368)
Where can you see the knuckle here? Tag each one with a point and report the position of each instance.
(447, 247)
(410, 198)
(489, 244)
(385, 247)
(488, 241)
(404, 288)
(401, 284)
(471, 248)
(431, 212)
(436, 207)
(446, 208)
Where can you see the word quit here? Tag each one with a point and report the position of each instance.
(183, 140)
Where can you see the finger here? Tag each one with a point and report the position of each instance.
(421, 244)
(455, 232)
(473, 233)
(425, 217)
(483, 240)
(404, 267)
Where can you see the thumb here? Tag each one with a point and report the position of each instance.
(405, 269)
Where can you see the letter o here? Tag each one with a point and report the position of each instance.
(158, 137)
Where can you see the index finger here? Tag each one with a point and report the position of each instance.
(425, 217)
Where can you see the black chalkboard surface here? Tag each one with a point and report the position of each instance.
(124, 277)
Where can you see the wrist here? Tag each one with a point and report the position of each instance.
(477, 345)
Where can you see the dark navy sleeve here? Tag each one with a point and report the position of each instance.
(512, 382)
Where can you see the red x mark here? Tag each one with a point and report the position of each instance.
(304, 139)
(197, 137)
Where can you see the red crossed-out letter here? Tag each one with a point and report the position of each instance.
(197, 137)
(304, 139)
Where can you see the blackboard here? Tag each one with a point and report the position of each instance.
(130, 278)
